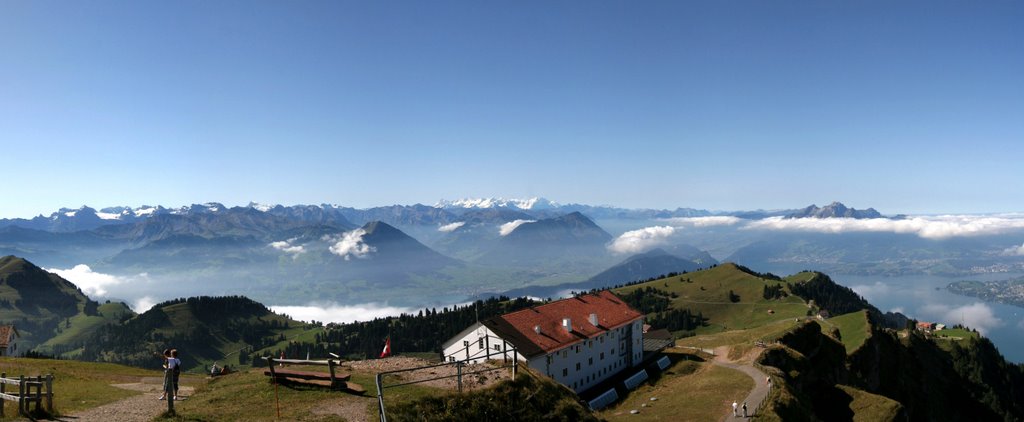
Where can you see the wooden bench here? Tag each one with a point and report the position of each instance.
(325, 379)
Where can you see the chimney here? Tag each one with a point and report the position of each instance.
(593, 319)
(567, 324)
(536, 329)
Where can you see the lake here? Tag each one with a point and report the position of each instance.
(925, 298)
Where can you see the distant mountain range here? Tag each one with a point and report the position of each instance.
(835, 210)
(455, 249)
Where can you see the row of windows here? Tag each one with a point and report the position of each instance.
(595, 377)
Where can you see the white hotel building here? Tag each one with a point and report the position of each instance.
(578, 342)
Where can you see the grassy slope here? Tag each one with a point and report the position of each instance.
(708, 293)
(853, 329)
(687, 391)
(869, 407)
(82, 326)
(78, 385)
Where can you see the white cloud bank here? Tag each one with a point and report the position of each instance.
(91, 282)
(143, 304)
(287, 247)
(333, 312)
(1014, 251)
(637, 241)
(938, 227)
(977, 315)
(711, 221)
(510, 226)
(448, 228)
(872, 292)
(351, 245)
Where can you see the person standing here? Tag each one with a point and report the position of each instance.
(744, 409)
(175, 370)
(734, 414)
(167, 374)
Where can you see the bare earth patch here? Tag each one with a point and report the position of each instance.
(139, 408)
(471, 382)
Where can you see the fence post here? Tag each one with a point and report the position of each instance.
(21, 396)
(458, 366)
(169, 390)
(49, 393)
(39, 393)
(515, 362)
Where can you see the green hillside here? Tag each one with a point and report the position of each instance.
(203, 329)
(854, 329)
(37, 302)
(75, 331)
(707, 292)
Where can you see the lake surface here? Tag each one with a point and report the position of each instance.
(925, 298)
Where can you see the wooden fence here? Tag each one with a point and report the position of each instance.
(29, 391)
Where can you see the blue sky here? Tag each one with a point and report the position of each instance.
(916, 107)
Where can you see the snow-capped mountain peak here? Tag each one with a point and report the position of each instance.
(534, 203)
(260, 207)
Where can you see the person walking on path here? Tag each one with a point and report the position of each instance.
(734, 414)
(744, 409)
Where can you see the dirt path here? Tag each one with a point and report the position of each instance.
(760, 390)
(139, 408)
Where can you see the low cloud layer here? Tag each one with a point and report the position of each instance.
(1014, 251)
(143, 304)
(333, 312)
(718, 220)
(510, 226)
(94, 284)
(351, 245)
(448, 228)
(636, 241)
(977, 315)
(939, 227)
(287, 247)
(872, 292)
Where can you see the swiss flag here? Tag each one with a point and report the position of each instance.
(387, 349)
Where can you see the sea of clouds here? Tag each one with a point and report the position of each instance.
(927, 227)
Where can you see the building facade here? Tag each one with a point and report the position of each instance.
(578, 342)
(8, 340)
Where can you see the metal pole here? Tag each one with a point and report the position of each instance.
(380, 397)
(3, 390)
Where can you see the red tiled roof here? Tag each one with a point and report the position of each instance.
(518, 327)
(6, 332)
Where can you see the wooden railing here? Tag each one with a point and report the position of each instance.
(29, 391)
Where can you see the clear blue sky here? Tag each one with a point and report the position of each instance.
(914, 107)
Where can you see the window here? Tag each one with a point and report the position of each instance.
(577, 348)
(497, 348)
(613, 351)
(565, 353)
(451, 358)
(565, 372)
(590, 362)
(602, 355)
(577, 366)
(480, 342)
(465, 343)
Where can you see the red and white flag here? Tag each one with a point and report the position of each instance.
(387, 349)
